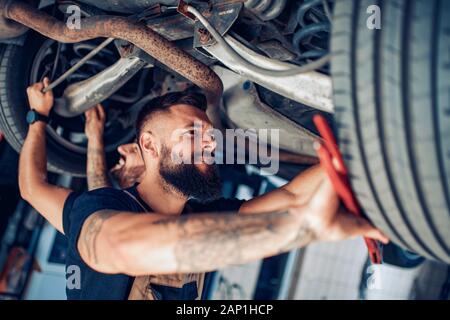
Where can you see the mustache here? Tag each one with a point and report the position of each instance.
(200, 156)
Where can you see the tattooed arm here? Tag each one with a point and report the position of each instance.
(47, 199)
(120, 242)
(97, 175)
(294, 193)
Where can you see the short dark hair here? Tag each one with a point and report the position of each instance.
(162, 103)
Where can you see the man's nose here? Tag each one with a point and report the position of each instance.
(121, 150)
(126, 149)
(209, 142)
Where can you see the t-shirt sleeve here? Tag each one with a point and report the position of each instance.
(79, 206)
(68, 204)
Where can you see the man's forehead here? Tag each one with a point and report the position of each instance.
(178, 117)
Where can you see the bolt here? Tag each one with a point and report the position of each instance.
(246, 85)
(204, 35)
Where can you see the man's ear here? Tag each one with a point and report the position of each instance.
(149, 144)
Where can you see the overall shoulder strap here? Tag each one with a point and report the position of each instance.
(136, 200)
(140, 286)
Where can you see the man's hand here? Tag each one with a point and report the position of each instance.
(329, 222)
(41, 102)
(312, 199)
(130, 168)
(95, 122)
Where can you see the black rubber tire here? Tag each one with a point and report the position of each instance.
(392, 96)
(15, 66)
(396, 256)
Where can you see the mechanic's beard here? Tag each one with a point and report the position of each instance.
(188, 180)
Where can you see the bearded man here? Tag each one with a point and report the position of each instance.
(156, 239)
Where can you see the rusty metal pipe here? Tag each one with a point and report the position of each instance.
(121, 28)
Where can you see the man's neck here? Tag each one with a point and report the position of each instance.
(159, 198)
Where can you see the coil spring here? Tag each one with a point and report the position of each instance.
(94, 65)
(311, 39)
(266, 9)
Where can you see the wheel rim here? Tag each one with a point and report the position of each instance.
(69, 132)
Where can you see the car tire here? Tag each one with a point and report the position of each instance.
(392, 96)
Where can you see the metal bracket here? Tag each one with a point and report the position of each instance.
(127, 49)
(222, 16)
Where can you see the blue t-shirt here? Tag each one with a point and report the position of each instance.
(95, 285)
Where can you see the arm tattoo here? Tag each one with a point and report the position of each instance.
(208, 242)
(93, 228)
(97, 176)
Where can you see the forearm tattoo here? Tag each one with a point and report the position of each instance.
(97, 176)
(213, 241)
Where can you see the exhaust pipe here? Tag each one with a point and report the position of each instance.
(123, 28)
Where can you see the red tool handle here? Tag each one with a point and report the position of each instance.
(331, 160)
